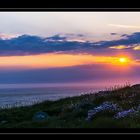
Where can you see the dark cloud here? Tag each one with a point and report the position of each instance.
(27, 44)
(124, 35)
(129, 40)
(113, 33)
(56, 38)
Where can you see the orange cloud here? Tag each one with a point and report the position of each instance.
(136, 48)
(119, 47)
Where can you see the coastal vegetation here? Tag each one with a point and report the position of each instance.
(117, 107)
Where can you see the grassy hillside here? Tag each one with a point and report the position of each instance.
(113, 108)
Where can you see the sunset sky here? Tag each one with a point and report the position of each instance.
(55, 47)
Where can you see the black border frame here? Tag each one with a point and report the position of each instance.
(58, 131)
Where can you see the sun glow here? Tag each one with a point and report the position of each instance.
(123, 60)
(61, 60)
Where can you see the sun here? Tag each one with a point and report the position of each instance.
(122, 60)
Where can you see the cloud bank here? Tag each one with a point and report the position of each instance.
(28, 44)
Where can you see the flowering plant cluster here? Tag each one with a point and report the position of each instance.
(125, 113)
(109, 106)
(103, 107)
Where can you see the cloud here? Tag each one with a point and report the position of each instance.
(57, 37)
(124, 35)
(67, 38)
(8, 36)
(113, 33)
(129, 40)
(29, 44)
(119, 47)
(124, 26)
(136, 48)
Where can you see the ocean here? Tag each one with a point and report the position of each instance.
(28, 94)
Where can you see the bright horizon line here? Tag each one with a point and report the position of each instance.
(56, 60)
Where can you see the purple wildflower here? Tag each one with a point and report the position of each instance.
(103, 107)
(125, 113)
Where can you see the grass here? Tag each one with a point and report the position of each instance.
(72, 112)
